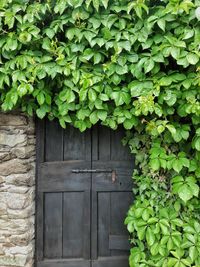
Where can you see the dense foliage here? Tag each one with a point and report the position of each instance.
(134, 63)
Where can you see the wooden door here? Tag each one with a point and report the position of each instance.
(83, 193)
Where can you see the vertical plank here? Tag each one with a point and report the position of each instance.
(118, 151)
(94, 225)
(53, 225)
(40, 137)
(39, 226)
(104, 214)
(104, 144)
(76, 144)
(53, 141)
(87, 225)
(95, 144)
(73, 224)
(39, 249)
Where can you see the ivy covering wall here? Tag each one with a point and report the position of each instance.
(135, 63)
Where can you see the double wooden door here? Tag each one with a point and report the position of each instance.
(84, 190)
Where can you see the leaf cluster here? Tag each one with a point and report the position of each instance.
(134, 63)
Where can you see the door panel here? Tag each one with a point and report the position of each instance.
(112, 234)
(103, 224)
(77, 145)
(53, 142)
(117, 150)
(120, 201)
(75, 225)
(111, 198)
(63, 197)
(80, 214)
(53, 225)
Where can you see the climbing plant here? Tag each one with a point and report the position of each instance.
(135, 63)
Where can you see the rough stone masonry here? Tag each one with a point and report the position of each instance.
(17, 179)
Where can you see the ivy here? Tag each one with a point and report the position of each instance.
(134, 63)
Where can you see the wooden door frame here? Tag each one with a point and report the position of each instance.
(39, 157)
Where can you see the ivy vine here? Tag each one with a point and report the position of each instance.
(135, 63)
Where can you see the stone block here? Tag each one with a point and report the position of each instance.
(23, 239)
(24, 179)
(10, 260)
(13, 166)
(18, 201)
(5, 155)
(12, 140)
(24, 152)
(12, 120)
(20, 214)
(24, 250)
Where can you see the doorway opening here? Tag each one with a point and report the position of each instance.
(84, 190)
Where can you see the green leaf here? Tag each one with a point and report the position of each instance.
(25, 37)
(46, 44)
(177, 165)
(172, 262)
(97, 58)
(102, 114)
(22, 90)
(103, 97)
(175, 52)
(185, 193)
(140, 88)
(96, 4)
(161, 24)
(71, 33)
(197, 13)
(50, 33)
(88, 2)
(194, 188)
(141, 232)
(83, 94)
(192, 58)
(81, 125)
(197, 143)
(92, 95)
(150, 236)
(67, 95)
(121, 69)
(94, 117)
(129, 123)
(193, 253)
(149, 65)
(105, 3)
(155, 164)
(171, 128)
(40, 98)
(62, 123)
(14, 98)
(41, 112)
(145, 215)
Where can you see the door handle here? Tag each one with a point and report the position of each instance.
(113, 172)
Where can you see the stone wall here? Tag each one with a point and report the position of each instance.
(17, 178)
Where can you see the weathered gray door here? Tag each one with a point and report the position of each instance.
(83, 193)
